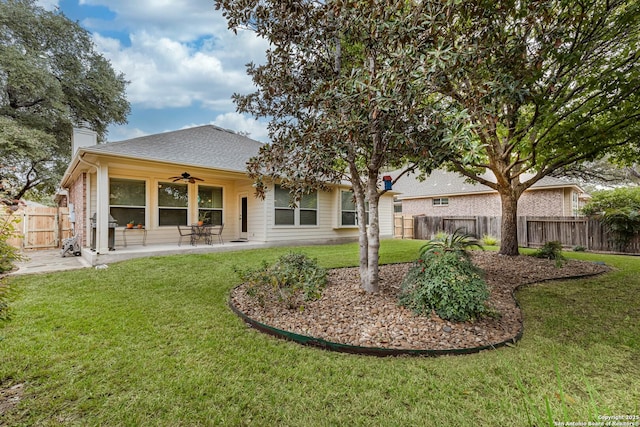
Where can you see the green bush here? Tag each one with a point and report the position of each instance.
(619, 210)
(446, 282)
(551, 250)
(8, 253)
(458, 241)
(291, 280)
(489, 240)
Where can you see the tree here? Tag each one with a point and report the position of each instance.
(51, 79)
(343, 101)
(619, 210)
(546, 84)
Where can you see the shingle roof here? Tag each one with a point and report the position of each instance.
(444, 183)
(207, 146)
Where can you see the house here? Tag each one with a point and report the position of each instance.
(173, 178)
(446, 193)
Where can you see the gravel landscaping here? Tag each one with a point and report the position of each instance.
(347, 315)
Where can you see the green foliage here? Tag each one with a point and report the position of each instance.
(4, 299)
(459, 241)
(547, 85)
(551, 250)
(579, 248)
(489, 240)
(342, 75)
(291, 280)
(52, 80)
(447, 283)
(618, 209)
(8, 253)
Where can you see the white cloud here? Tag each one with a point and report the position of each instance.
(178, 59)
(48, 4)
(237, 122)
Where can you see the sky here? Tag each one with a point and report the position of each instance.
(182, 62)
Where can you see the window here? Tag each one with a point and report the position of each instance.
(127, 200)
(348, 209)
(173, 200)
(309, 209)
(441, 201)
(210, 204)
(305, 214)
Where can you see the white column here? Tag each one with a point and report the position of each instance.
(102, 210)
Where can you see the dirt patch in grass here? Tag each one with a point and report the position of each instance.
(10, 397)
(346, 314)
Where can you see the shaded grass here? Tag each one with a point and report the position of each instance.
(152, 342)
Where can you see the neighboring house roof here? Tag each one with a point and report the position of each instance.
(444, 183)
(207, 146)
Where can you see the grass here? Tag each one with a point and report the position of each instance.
(153, 342)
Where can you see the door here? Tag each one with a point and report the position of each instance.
(243, 217)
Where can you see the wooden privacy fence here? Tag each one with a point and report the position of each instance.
(403, 226)
(588, 233)
(40, 227)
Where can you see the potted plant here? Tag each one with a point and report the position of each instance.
(202, 218)
(140, 226)
(130, 224)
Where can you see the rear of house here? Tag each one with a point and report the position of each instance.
(175, 178)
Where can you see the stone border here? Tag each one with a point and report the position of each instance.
(369, 351)
(385, 352)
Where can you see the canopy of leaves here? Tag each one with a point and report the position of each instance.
(619, 210)
(608, 200)
(339, 92)
(51, 79)
(546, 84)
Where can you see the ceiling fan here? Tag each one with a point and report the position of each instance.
(186, 177)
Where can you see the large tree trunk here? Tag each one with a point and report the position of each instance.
(509, 230)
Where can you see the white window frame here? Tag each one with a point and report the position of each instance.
(296, 211)
(355, 211)
(207, 209)
(440, 201)
(133, 207)
(160, 208)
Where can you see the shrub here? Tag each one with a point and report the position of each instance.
(619, 211)
(291, 280)
(459, 242)
(551, 250)
(489, 240)
(445, 282)
(8, 253)
(579, 248)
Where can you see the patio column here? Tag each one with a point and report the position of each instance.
(102, 210)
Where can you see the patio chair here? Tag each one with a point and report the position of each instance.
(186, 231)
(215, 230)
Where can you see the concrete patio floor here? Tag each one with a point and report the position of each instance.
(50, 260)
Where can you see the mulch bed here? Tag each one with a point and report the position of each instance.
(347, 315)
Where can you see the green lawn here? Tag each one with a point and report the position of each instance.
(153, 342)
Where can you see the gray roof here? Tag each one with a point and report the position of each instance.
(207, 146)
(444, 183)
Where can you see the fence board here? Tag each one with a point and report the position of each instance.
(532, 231)
(41, 227)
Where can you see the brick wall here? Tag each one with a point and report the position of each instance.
(531, 203)
(77, 194)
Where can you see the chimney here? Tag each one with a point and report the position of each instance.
(83, 137)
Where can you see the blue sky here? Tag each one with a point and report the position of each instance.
(182, 62)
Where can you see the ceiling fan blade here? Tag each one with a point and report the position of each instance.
(197, 179)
